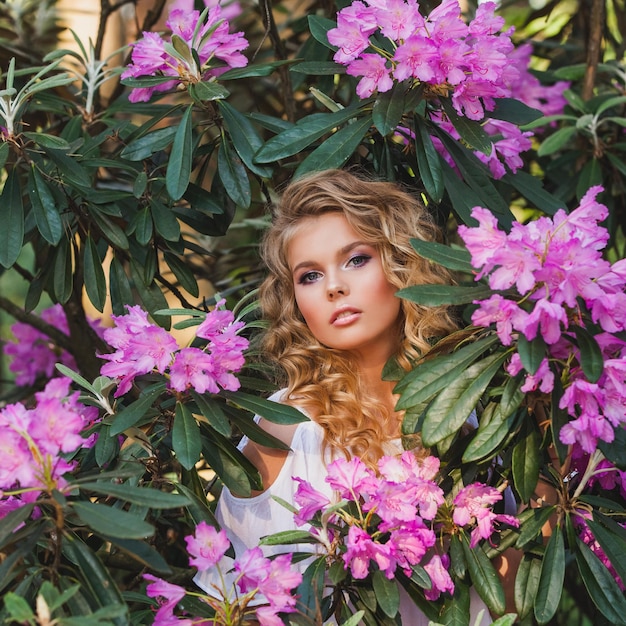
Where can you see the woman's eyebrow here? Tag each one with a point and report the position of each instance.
(347, 248)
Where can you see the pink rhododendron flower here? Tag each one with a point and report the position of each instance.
(251, 567)
(437, 570)
(206, 546)
(506, 314)
(351, 478)
(309, 500)
(168, 595)
(376, 75)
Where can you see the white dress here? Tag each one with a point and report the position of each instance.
(247, 520)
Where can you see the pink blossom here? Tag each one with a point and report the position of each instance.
(394, 502)
(207, 546)
(280, 580)
(399, 19)
(546, 317)
(506, 314)
(168, 594)
(416, 58)
(252, 567)
(517, 266)
(411, 542)
(355, 24)
(375, 72)
(586, 430)
(361, 549)
(484, 240)
(309, 500)
(194, 368)
(439, 576)
(351, 478)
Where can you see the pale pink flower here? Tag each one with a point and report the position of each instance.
(411, 542)
(506, 314)
(351, 478)
(206, 546)
(252, 567)
(310, 501)
(168, 595)
(439, 576)
(484, 240)
(547, 318)
(280, 580)
(375, 72)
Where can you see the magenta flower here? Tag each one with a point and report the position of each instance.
(437, 570)
(351, 478)
(506, 314)
(309, 500)
(206, 546)
(361, 549)
(411, 542)
(168, 595)
(194, 368)
(252, 567)
(375, 72)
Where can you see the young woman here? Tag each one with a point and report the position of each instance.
(337, 252)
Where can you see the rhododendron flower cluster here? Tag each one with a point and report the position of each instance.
(33, 354)
(401, 510)
(256, 578)
(441, 51)
(553, 284)
(35, 442)
(143, 347)
(200, 48)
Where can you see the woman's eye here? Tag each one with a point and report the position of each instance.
(308, 278)
(359, 260)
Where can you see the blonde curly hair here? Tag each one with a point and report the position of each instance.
(322, 380)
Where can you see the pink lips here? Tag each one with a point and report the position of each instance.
(344, 316)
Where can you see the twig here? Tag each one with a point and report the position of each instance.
(594, 47)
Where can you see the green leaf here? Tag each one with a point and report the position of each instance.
(532, 525)
(70, 169)
(143, 496)
(526, 584)
(206, 92)
(551, 578)
(119, 287)
(450, 409)
(532, 189)
(245, 138)
(183, 274)
(4, 154)
(164, 220)
(131, 414)
(76, 378)
(114, 234)
(12, 219)
(95, 283)
(514, 111)
(600, 584)
(233, 174)
(142, 552)
(431, 376)
(270, 410)
(62, 275)
(18, 608)
(336, 150)
(591, 357)
(107, 447)
(318, 68)
(253, 70)
(388, 109)
(149, 144)
(48, 141)
(471, 131)
(186, 441)
(213, 413)
(428, 161)
(12, 520)
(304, 133)
(463, 198)
(181, 157)
(616, 450)
(484, 578)
(590, 175)
(288, 537)
(111, 521)
(612, 539)
(556, 140)
(437, 295)
(490, 434)
(387, 593)
(140, 184)
(531, 352)
(319, 27)
(44, 207)
(252, 430)
(311, 590)
(526, 463)
(143, 226)
(610, 102)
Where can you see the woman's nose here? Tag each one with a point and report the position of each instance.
(337, 289)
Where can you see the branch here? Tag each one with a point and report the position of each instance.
(594, 48)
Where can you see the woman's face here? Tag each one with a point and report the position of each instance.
(341, 288)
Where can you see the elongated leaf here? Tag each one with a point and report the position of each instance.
(514, 111)
(186, 437)
(18, 609)
(213, 413)
(319, 27)
(253, 70)
(252, 430)
(484, 578)
(271, 411)
(143, 226)
(336, 150)
(146, 146)
(526, 584)
(318, 68)
(591, 357)
(151, 296)
(114, 234)
(532, 189)
(556, 140)
(205, 91)
(591, 174)
(181, 156)
(142, 552)
(531, 352)
(113, 522)
(12, 219)
(457, 610)
(387, 593)
(107, 447)
(233, 174)
(48, 141)
(600, 584)
(303, 134)
(551, 578)
(12, 520)
(131, 414)
(429, 377)
(4, 153)
(471, 132)
(245, 138)
(44, 207)
(311, 589)
(288, 537)
(388, 109)
(183, 274)
(62, 276)
(489, 435)
(532, 525)
(437, 295)
(119, 287)
(143, 496)
(612, 539)
(165, 221)
(450, 409)
(76, 378)
(95, 283)
(526, 463)
(70, 168)
(428, 160)
(463, 198)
